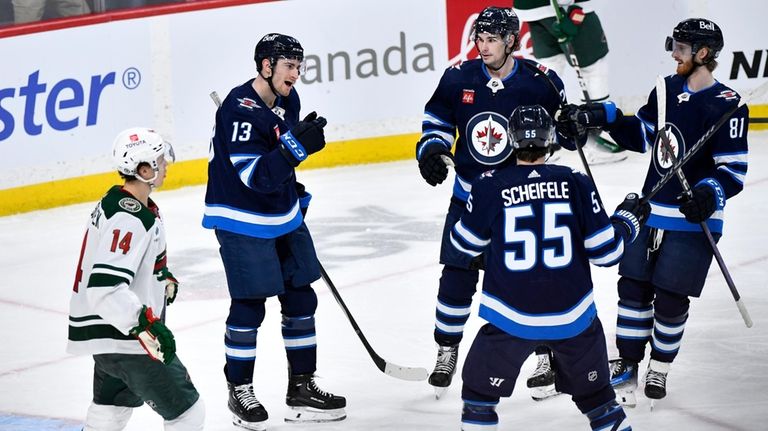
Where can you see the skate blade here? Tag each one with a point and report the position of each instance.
(653, 404)
(626, 398)
(255, 426)
(541, 393)
(439, 391)
(312, 415)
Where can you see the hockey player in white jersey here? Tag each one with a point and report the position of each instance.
(122, 286)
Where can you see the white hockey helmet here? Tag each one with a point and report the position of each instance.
(140, 145)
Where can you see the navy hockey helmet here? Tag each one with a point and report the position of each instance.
(530, 126)
(497, 20)
(274, 46)
(698, 32)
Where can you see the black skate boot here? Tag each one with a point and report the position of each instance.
(542, 381)
(624, 380)
(656, 380)
(445, 368)
(247, 411)
(308, 403)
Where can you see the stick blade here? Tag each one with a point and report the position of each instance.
(414, 374)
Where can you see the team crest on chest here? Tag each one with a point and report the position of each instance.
(130, 204)
(662, 158)
(487, 139)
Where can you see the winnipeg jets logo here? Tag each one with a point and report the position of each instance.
(487, 139)
(248, 104)
(664, 157)
(728, 95)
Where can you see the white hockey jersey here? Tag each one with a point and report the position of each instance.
(122, 253)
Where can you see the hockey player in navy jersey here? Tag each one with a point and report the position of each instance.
(539, 227)
(474, 100)
(256, 207)
(669, 262)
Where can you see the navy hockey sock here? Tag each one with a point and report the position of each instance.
(479, 415)
(609, 416)
(245, 317)
(300, 343)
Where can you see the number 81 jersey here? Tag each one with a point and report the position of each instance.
(123, 248)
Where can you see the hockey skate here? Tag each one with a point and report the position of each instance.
(247, 411)
(542, 381)
(656, 381)
(624, 381)
(308, 403)
(601, 151)
(444, 370)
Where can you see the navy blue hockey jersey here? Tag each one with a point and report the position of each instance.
(469, 102)
(539, 226)
(251, 186)
(721, 162)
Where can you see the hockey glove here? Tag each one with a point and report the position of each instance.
(566, 124)
(631, 214)
(598, 115)
(171, 284)
(700, 205)
(431, 164)
(303, 139)
(154, 337)
(566, 29)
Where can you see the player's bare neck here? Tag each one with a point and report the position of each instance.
(539, 161)
(504, 71)
(261, 86)
(140, 190)
(700, 79)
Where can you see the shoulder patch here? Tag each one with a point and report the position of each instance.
(248, 103)
(130, 204)
(728, 95)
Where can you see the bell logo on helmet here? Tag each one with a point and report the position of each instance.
(707, 25)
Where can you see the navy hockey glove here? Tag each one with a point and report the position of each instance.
(598, 115)
(700, 205)
(631, 214)
(303, 139)
(171, 284)
(431, 164)
(154, 336)
(566, 124)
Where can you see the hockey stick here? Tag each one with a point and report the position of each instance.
(762, 89)
(583, 158)
(663, 139)
(390, 369)
(571, 53)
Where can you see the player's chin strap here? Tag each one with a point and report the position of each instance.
(269, 80)
(150, 181)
